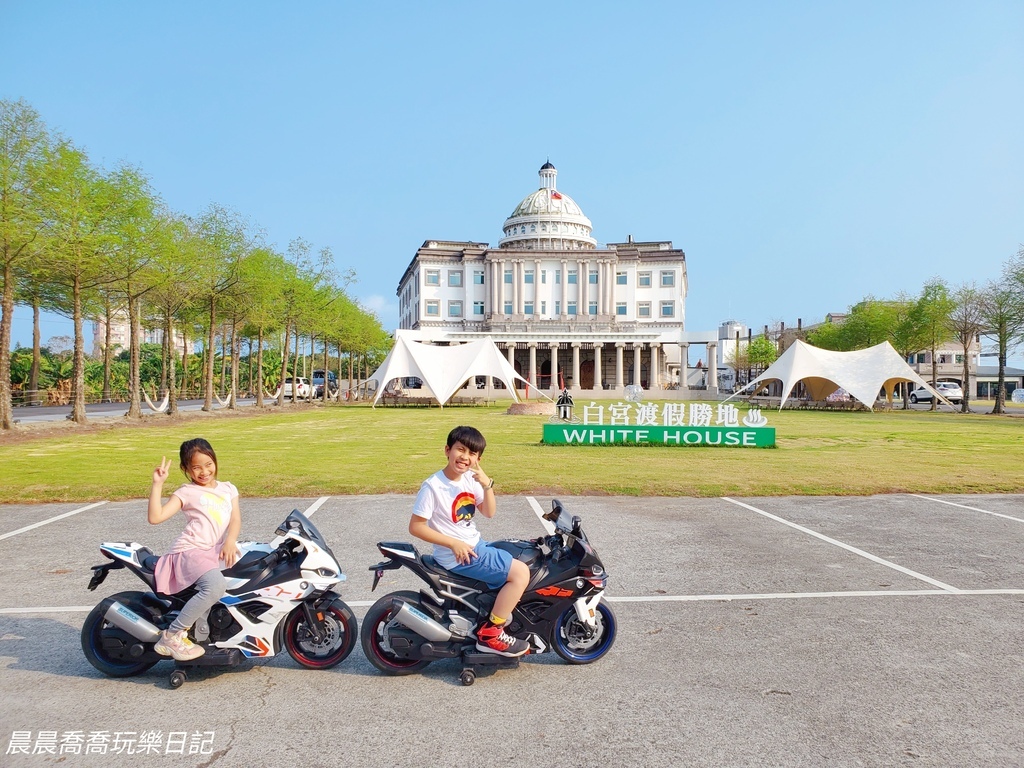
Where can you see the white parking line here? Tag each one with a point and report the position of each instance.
(847, 547)
(51, 520)
(315, 506)
(964, 506)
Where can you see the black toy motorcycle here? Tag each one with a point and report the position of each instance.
(561, 609)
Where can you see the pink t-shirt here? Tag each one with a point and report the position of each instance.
(197, 550)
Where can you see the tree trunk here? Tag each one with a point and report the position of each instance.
(259, 367)
(6, 319)
(106, 351)
(184, 362)
(134, 376)
(965, 404)
(295, 366)
(1000, 406)
(33, 376)
(935, 382)
(236, 354)
(223, 356)
(250, 365)
(172, 388)
(327, 378)
(208, 383)
(78, 361)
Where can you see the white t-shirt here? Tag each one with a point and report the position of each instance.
(449, 506)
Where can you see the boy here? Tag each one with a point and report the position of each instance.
(443, 515)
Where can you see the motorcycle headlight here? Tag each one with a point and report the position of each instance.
(327, 573)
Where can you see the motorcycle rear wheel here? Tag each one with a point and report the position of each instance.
(372, 637)
(569, 636)
(92, 636)
(342, 630)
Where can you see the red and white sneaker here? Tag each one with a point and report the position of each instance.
(492, 639)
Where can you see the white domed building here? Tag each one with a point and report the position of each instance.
(565, 309)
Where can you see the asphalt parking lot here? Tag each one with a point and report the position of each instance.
(839, 631)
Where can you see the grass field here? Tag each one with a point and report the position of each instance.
(357, 450)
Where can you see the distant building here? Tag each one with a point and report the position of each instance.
(120, 333)
(560, 305)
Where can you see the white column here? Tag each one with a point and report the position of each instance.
(533, 364)
(565, 289)
(575, 365)
(618, 365)
(554, 367)
(500, 265)
(598, 379)
(516, 289)
(655, 382)
(713, 366)
(581, 287)
(684, 365)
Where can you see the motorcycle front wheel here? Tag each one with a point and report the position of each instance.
(97, 629)
(576, 643)
(341, 630)
(375, 644)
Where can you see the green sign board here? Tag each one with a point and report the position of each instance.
(614, 434)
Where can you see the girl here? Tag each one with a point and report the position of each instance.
(212, 525)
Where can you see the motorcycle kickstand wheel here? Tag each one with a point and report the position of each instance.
(468, 677)
(178, 678)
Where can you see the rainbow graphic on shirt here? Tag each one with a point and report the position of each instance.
(464, 507)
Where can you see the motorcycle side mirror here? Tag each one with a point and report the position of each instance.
(556, 511)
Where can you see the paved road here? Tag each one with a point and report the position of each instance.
(27, 414)
(873, 631)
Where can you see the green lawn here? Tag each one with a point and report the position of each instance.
(355, 449)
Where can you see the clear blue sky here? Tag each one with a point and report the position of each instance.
(804, 155)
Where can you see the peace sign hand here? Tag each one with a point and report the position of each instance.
(161, 472)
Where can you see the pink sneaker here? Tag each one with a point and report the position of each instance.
(178, 646)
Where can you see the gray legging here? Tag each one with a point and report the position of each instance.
(210, 588)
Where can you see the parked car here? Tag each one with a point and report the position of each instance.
(318, 383)
(948, 389)
(303, 388)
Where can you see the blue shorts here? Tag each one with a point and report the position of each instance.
(491, 565)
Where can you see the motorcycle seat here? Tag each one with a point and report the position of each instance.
(148, 559)
(433, 567)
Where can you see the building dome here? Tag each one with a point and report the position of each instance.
(548, 220)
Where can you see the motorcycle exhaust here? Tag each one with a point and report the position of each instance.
(132, 623)
(418, 622)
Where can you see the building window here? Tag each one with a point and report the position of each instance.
(620, 308)
(527, 307)
(543, 307)
(478, 278)
(960, 359)
(558, 307)
(528, 277)
(572, 277)
(544, 277)
(620, 278)
(572, 307)
(668, 279)
(508, 307)
(433, 309)
(921, 358)
(668, 309)
(508, 277)
(558, 276)
(454, 279)
(592, 277)
(433, 277)
(478, 307)
(643, 309)
(643, 279)
(454, 309)
(592, 308)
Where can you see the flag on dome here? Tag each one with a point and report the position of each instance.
(555, 195)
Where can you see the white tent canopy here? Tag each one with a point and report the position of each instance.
(444, 369)
(863, 373)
